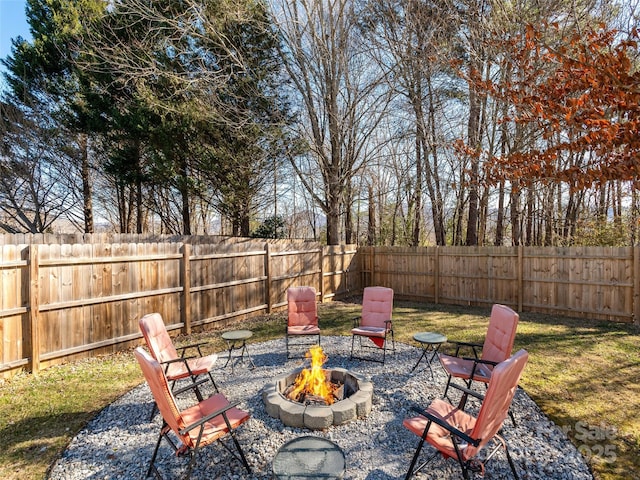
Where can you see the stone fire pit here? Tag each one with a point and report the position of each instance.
(357, 401)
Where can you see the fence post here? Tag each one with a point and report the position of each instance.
(34, 308)
(436, 276)
(186, 288)
(635, 255)
(267, 273)
(520, 274)
(322, 273)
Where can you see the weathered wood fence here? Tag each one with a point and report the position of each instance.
(591, 282)
(65, 301)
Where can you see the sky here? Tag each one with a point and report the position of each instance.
(13, 23)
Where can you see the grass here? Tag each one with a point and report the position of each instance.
(583, 374)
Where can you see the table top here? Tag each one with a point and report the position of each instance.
(429, 337)
(309, 457)
(237, 334)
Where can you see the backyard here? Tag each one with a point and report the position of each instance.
(583, 375)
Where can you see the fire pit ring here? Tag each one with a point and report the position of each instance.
(317, 417)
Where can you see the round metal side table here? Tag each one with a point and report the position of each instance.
(309, 457)
(430, 342)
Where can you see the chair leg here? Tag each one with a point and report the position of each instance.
(513, 419)
(365, 347)
(384, 350)
(155, 453)
(511, 464)
(393, 346)
(193, 454)
(286, 339)
(196, 389)
(415, 458)
(215, 386)
(446, 389)
(244, 459)
(154, 410)
(412, 467)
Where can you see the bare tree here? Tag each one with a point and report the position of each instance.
(340, 97)
(416, 40)
(34, 176)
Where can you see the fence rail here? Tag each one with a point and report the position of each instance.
(65, 301)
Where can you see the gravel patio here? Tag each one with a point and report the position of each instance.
(119, 442)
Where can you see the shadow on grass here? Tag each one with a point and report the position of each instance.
(29, 447)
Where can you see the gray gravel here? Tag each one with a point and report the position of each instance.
(118, 443)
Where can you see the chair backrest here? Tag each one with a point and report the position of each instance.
(303, 309)
(157, 338)
(161, 392)
(377, 306)
(497, 400)
(501, 334)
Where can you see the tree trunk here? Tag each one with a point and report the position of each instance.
(483, 212)
(473, 126)
(635, 213)
(433, 180)
(371, 229)
(139, 201)
(548, 217)
(333, 228)
(514, 201)
(348, 215)
(458, 216)
(499, 239)
(139, 198)
(184, 193)
(245, 226)
(86, 184)
(415, 236)
(528, 240)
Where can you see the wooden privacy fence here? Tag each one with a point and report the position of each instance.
(63, 301)
(591, 282)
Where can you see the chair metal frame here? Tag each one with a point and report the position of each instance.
(215, 418)
(302, 318)
(154, 330)
(438, 414)
(369, 324)
(486, 355)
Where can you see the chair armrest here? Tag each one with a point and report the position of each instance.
(178, 360)
(473, 346)
(476, 362)
(450, 428)
(468, 344)
(465, 395)
(480, 361)
(184, 360)
(467, 391)
(197, 346)
(203, 420)
(389, 324)
(191, 386)
(355, 322)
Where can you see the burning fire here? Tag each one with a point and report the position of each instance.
(313, 382)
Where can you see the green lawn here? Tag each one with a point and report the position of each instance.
(583, 374)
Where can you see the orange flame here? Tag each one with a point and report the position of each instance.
(314, 381)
